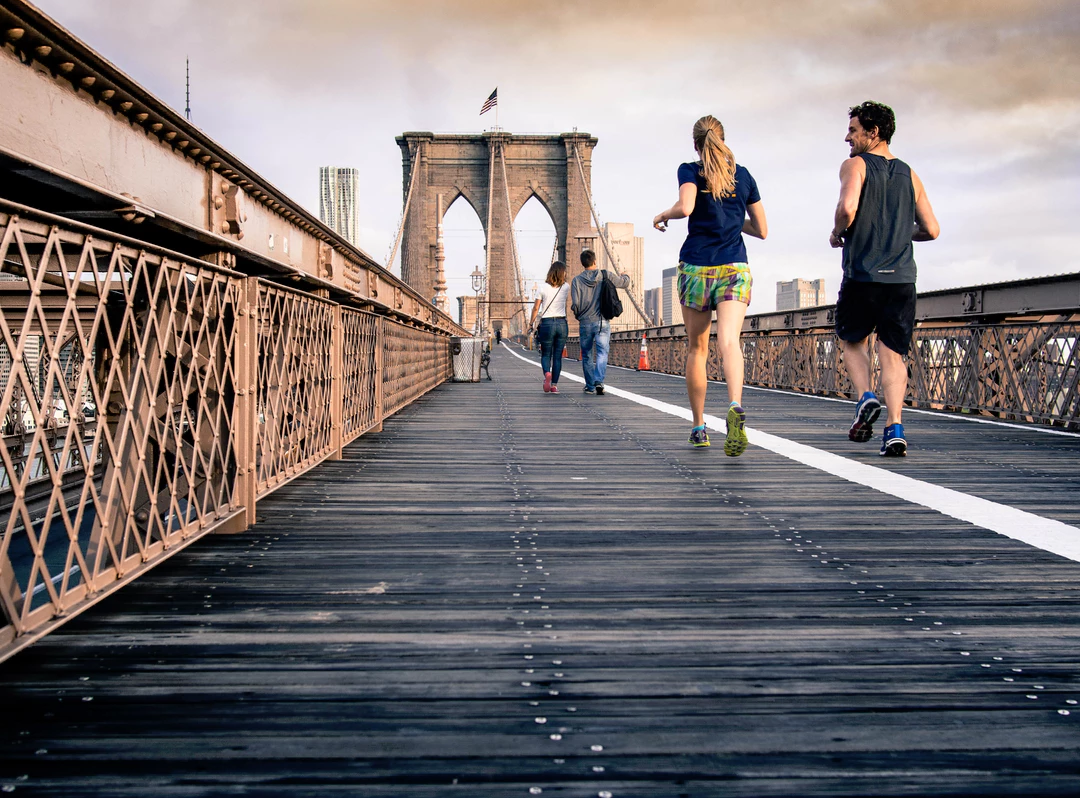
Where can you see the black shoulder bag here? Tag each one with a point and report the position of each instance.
(610, 304)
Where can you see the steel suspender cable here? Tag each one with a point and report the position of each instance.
(513, 235)
(405, 210)
(603, 239)
(487, 232)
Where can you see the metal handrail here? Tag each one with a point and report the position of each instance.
(1024, 371)
(202, 391)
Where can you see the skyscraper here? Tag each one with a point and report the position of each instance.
(799, 293)
(654, 304)
(337, 201)
(630, 251)
(670, 287)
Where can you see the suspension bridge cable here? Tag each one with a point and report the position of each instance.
(603, 238)
(487, 230)
(404, 212)
(513, 235)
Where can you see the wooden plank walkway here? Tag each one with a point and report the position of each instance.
(507, 593)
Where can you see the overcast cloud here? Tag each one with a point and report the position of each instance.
(987, 96)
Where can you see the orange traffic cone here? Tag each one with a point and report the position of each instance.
(564, 351)
(643, 358)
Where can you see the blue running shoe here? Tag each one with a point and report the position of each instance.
(893, 444)
(699, 437)
(866, 413)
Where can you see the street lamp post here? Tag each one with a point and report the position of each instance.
(479, 286)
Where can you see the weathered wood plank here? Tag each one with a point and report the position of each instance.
(398, 621)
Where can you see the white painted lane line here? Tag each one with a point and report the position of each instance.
(1042, 533)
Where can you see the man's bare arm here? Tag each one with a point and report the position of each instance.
(927, 228)
(852, 176)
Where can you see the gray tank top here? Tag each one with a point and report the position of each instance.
(877, 248)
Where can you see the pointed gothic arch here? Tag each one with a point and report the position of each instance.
(463, 195)
(450, 166)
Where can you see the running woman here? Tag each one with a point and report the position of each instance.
(722, 201)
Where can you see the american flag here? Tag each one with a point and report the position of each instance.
(490, 102)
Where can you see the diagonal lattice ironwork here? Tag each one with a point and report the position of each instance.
(360, 361)
(413, 362)
(294, 384)
(147, 398)
(118, 378)
(1017, 371)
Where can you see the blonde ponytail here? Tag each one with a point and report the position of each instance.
(717, 160)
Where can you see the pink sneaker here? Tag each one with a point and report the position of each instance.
(547, 382)
(554, 388)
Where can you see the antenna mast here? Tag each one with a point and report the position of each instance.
(187, 87)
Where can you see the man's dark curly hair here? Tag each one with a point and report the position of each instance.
(871, 115)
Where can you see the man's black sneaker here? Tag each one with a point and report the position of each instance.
(587, 389)
(599, 389)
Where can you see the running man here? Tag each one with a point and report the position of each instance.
(882, 209)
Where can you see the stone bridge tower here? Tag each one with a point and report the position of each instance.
(470, 166)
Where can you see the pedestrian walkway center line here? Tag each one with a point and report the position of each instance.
(1043, 533)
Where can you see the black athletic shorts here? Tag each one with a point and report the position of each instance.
(887, 308)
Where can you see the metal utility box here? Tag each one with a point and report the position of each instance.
(467, 353)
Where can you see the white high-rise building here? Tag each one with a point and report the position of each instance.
(670, 290)
(337, 201)
(799, 293)
(630, 252)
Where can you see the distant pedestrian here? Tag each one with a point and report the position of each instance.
(721, 199)
(498, 337)
(594, 329)
(549, 321)
(882, 209)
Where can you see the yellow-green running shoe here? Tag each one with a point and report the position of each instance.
(736, 441)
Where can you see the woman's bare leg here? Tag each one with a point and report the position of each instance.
(729, 317)
(698, 330)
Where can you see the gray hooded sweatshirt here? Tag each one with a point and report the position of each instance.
(585, 294)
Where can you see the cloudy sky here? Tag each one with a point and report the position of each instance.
(986, 92)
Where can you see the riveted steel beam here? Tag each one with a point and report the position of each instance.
(81, 139)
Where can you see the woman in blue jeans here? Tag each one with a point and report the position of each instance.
(552, 331)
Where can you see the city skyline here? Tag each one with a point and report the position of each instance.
(991, 130)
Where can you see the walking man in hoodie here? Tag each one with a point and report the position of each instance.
(594, 329)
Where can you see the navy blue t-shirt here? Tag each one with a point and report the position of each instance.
(714, 232)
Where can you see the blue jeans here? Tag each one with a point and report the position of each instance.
(552, 334)
(595, 343)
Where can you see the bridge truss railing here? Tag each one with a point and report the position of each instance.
(1023, 371)
(149, 398)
